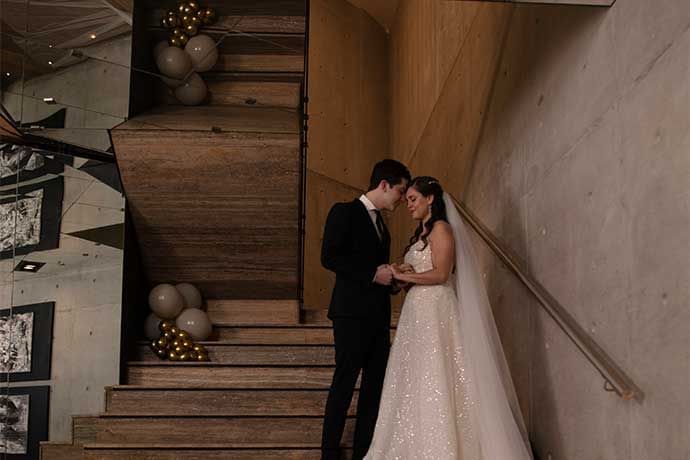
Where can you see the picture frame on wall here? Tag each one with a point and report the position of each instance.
(24, 421)
(30, 219)
(20, 163)
(26, 342)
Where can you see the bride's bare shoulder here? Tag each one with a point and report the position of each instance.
(442, 227)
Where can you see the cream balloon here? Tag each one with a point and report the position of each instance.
(171, 82)
(195, 322)
(203, 52)
(160, 46)
(174, 62)
(191, 295)
(166, 301)
(151, 330)
(193, 92)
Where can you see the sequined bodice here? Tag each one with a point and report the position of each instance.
(420, 259)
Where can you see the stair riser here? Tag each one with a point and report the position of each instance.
(60, 452)
(219, 402)
(275, 336)
(245, 94)
(243, 454)
(214, 430)
(257, 356)
(278, 312)
(237, 377)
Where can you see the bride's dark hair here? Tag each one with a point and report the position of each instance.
(428, 186)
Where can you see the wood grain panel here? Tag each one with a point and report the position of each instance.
(215, 209)
(348, 119)
(84, 429)
(233, 119)
(250, 7)
(254, 94)
(259, 63)
(60, 451)
(245, 23)
(209, 376)
(301, 451)
(274, 336)
(279, 312)
(215, 430)
(263, 355)
(226, 402)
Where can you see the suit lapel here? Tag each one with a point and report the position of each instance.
(366, 219)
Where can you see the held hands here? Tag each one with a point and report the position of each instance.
(399, 270)
(384, 275)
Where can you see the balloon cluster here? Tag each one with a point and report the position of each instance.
(176, 344)
(181, 306)
(180, 67)
(184, 21)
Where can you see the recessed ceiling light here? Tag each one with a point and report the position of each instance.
(92, 36)
(50, 62)
(49, 100)
(50, 46)
(27, 266)
(8, 74)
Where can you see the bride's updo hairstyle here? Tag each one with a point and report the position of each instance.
(428, 186)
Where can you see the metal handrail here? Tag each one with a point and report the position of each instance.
(615, 379)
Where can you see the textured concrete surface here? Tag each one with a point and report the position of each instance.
(584, 168)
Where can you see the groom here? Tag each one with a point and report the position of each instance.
(356, 246)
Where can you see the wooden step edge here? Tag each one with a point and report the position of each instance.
(109, 415)
(273, 325)
(230, 343)
(216, 364)
(200, 388)
(226, 446)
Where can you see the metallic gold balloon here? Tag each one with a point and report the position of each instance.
(209, 16)
(171, 13)
(161, 353)
(187, 9)
(162, 342)
(191, 30)
(165, 325)
(199, 348)
(176, 32)
(180, 7)
(185, 357)
(193, 355)
(188, 344)
(172, 356)
(179, 350)
(193, 5)
(182, 334)
(154, 344)
(176, 343)
(186, 19)
(195, 20)
(202, 357)
(184, 38)
(168, 335)
(175, 41)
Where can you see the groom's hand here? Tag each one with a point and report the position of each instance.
(384, 275)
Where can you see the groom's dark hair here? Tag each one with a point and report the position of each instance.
(389, 170)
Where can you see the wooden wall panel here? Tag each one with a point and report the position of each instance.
(217, 210)
(448, 137)
(348, 122)
(424, 43)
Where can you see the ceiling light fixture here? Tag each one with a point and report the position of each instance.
(50, 62)
(27, 266)
(92, 36)
(49, 100)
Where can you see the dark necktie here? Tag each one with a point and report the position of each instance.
(379, 224)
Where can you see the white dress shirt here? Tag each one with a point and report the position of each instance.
(372, 212)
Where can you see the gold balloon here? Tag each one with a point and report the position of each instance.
(183, 334)
(154, 344)
(193, 5)
(184, 38)
(188, 344)
(165, 325)
(191, 30)
(209, 16)
(161, 353)
(180, 7)
(175, 330)
(179, 350)
(175, 41)
(185, 8)
(176, 343)
(202, 357)
(195, 20)
(184, 357)
(162, 342)
(193, 355)
(171, 13)
(168, 335)
(172, 356)
(176, 32)
(199, 348)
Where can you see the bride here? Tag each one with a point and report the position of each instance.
(447, 392)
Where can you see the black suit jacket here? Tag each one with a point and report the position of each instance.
(352, 249)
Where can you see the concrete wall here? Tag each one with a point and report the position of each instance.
(582, 166)
(348, 122)
(84, 279)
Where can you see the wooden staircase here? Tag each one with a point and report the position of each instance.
(262, 396)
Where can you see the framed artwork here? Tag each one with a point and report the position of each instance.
(19, 163)
(23, 421)
(26, 340)
(30, 221)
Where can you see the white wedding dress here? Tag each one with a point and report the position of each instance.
(447, 394)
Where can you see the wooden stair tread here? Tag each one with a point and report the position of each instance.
(226, 118)
(250, 24)
(251, 94)
(254, 76)
(264, 355)
(231, 445)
